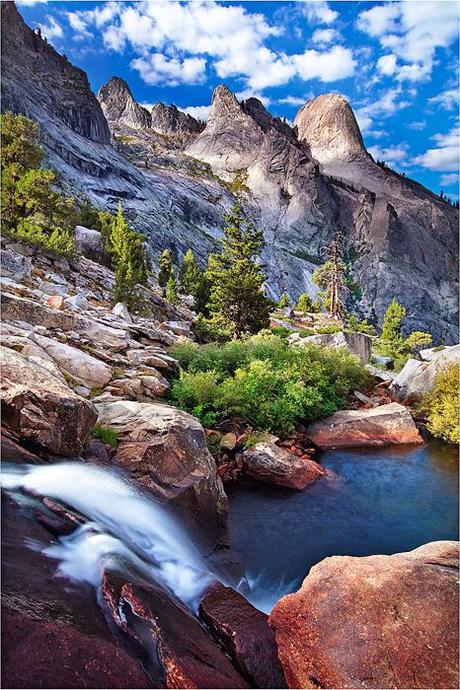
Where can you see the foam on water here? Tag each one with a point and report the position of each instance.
(125, 526)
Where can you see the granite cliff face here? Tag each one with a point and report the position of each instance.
(119, 106)
(300, 184)
(167, 119)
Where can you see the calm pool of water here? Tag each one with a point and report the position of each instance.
(373, 501)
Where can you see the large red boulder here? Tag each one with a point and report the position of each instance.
(384, 425)
(181, 654)
(267, 462)
(373, 622)
(244, 633)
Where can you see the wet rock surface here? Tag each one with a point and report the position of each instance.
(373, 622)
(53, 632)
(245, 635)
(180, 653)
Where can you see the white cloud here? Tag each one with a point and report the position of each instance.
(159, 69)
(413, 31)
(230, 38)
(449, 180)
(318, 12)
(387, 64)
(51, 29)
(417, 126)
(338, 63)
(29, 3)
(444, 157)
(199, 112)
(392, 155)
(324, 36)
(249, 93)
(388, 103)
(447, 99)
(79, 25)
(293, 100)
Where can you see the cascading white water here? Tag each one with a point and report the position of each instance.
(125, 525)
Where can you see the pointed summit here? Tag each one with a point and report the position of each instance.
(119, 106)
(328, 125)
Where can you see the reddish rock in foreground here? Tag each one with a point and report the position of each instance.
(269, 463)
(384, 425)
(181, 654)
(245, 635)
(53, 632)
(373, 622)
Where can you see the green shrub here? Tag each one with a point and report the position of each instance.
(442, 404)
(356, 326)
(273, 386)
(281, 331)
(106, 435)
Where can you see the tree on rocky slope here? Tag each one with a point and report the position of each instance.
(391, 339)
(165, 266)
(33, 209)
(331, 278)
(129, 260)
(190, 274)
(236, 296)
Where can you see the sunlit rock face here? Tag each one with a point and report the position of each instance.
(118, 105)
(175, 181)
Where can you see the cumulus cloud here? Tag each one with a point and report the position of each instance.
(389, 102)
(199, 112)
(294, 100)
(387, 64)
(231, 39)
(392, 155)
(443, 157)
(413, 31)
(324, 36)
(449, 180)
(319, 12)
(51, 29)
(159, 69)
(447, 99)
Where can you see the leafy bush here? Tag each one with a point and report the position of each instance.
(261, 378)
(356, 326)
(442, 404)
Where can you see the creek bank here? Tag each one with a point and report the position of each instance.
(368, 622)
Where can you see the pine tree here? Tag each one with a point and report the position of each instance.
(304, 304)
(171, 289)
(190, 274)
(165, 266)
(284, 301)
(237, 297)
(129, 260)
(391, 339)
(331, 278)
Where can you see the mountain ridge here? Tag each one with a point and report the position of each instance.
(175, 189)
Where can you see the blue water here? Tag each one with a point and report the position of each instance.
(372, 501)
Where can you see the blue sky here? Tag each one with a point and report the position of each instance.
(396, 63)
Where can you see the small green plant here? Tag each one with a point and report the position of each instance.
(356, 326)
(165, 266)
(305, 303)
(171, 289)
(418, 339)
(106, 435)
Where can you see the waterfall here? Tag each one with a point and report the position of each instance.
(125, 528)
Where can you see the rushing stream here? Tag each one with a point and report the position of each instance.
(373, 501)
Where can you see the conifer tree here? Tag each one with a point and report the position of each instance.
(304, 304)
(171, 289)
(165, 266)
(331, 278)
(129, 260)
(190, 274)
(284, 301)
(236, 296)
(391, 338)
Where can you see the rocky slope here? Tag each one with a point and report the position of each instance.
(300, 184)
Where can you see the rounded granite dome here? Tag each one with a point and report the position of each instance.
(328, 125)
